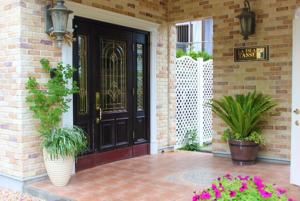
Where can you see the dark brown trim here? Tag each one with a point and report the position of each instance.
(96, 159)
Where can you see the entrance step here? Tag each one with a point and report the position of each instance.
(48, 196)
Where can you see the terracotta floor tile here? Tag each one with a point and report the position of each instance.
(163, 177)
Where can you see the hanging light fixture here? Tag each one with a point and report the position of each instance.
(56, 21)
(247, 21)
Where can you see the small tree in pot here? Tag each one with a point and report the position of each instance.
(244, 115)
(48, 102)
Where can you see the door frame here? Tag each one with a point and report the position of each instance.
(122, 20)
(295, 132)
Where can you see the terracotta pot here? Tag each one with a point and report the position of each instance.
(59, 170)
(243, 153)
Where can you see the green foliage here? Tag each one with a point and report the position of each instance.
(48, 102)
(195, 55)
(192, 142)
(244, 115)
(65, 142)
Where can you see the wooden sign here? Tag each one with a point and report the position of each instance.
(260, 53)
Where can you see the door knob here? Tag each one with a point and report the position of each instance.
(297, 111)
(297, 123)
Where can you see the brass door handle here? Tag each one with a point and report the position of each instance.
(98, 119)
(297, 111)
(297, 123)
(100, 113)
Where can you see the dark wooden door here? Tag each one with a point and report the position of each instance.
(113, 103)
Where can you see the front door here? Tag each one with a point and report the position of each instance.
(112, 105)
(295, 138)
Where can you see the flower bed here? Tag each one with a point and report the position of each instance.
(8, 195)
(242, 189)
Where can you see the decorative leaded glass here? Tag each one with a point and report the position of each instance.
(82, 74)
(140, 76)
(113, 75)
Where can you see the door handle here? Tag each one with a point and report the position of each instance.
(98, 108)
(98, 119)
(100, 113)
(297, 123)
(297, 111)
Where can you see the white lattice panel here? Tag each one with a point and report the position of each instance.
(186, 98)
(194, 81)
(207, 94)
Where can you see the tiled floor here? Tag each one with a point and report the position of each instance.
(164, 177)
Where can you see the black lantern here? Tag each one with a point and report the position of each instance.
(247, 21)
(57, 20)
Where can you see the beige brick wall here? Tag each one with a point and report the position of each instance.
(23, 43)
(273, 77)
(10, 101)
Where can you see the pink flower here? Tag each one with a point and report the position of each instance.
(228, 176)
(291, 199)
(232, 194)
(244, 187)
(280, 191)
(244, 178)
(196, 198)
(217, 191)
(205, 196)
(259, 182)
(265, 194)
(218, 194)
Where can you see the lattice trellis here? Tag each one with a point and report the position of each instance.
(194, 89)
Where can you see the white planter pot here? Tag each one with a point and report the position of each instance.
(59, 170)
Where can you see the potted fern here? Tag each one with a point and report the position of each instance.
(48, 102)
(244, 116)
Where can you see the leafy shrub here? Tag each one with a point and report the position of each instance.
(244, 115)
(195, 55)
(192, 143)
(242, 189)
(48, 102)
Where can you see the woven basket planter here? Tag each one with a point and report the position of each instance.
(59, 170)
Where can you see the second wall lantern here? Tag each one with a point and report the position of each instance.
(247, 21)
(56, 21)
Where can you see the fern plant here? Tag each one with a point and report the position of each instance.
(48, 102)
(244, 115)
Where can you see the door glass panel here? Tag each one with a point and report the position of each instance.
(113, 75)
(140, 76)
(82, 74)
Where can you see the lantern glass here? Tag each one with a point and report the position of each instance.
(247, 21)
(59, 20)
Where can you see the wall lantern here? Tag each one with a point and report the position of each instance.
(247, 21)
(56, 21)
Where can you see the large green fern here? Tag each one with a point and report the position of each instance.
(244, 115)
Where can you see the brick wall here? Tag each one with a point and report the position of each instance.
(10, 102)
(273, 77)
(23, 43)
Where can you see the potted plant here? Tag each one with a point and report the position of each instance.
(244, 115)
(48, 102)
